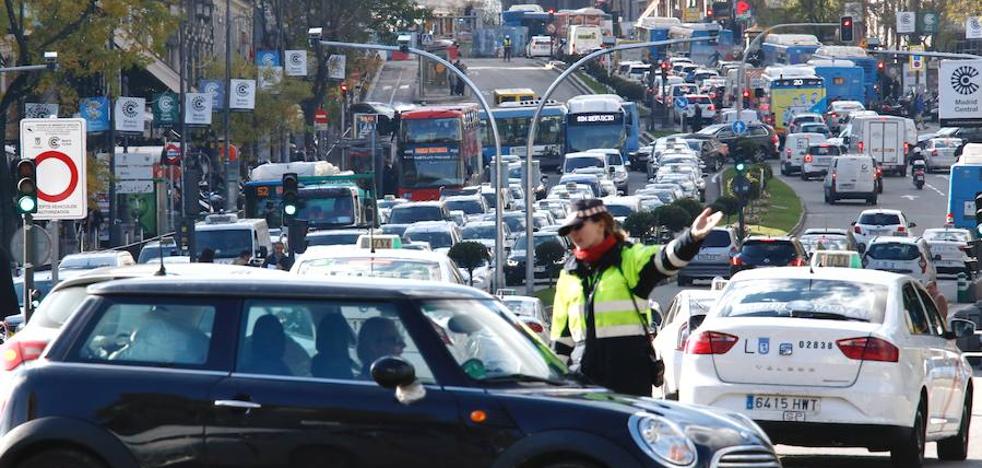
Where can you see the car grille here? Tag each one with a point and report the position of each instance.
(745, 457)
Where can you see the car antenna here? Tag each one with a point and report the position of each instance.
(160, 248)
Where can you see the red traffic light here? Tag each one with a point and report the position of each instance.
(746, 93)
(709, 11)
(881, 65)
(665, 65)
(742, 7)
(344, 87)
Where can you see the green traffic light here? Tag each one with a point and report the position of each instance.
(26, 205)
(740, 167)
(290, 210)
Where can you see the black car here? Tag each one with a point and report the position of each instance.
(760, 142)
(300, 373)
(761, 251)
(515, 264)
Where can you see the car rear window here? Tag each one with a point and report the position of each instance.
(828, 150)
(700, 99)
(717, 239)
(879, 219)
(891, 251)
(805, 298)
(768, 249)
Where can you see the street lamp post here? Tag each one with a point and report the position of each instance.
(314, 34)
(530, 243)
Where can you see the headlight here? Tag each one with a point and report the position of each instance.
(512, 262)
(661, 439)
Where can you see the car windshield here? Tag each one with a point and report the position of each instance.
(226, 243)
(87, 262)
(539, 240)
(482, 231)
(821, 129)
(892, 251)
(947, 236)
(804, 298)
(614, 159)
(56, 307)
(879, 219)
(487, 343)
(373, 267)
(825, 150)
(823, 242)
(579, 163)
(414, 214)
(334, 238)
(515, 223)
(153, 252)
(717, 238)
(437, 239)
(620, 210)
(467, 206)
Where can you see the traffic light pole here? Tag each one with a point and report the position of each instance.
(534, 126)
(28, 265)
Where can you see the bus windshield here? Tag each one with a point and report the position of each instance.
(514, 131)
(333, 210)
(431, 130)
(589, 131)
(432, 170)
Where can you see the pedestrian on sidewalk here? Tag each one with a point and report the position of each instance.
(460, 82)
(606, 272)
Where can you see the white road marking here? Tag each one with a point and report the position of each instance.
(395, 88)
(506, 68)
(936, 190)
(405, 86)
(386, 87)
(909, 197)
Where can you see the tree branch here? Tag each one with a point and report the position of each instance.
(71, 27)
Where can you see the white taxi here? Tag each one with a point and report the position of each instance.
(687, 310)
(821, 360)
(345, 261)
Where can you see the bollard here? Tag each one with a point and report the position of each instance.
(963, 289)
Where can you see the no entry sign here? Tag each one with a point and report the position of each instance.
(57, 146)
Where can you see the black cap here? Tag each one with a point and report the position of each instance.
(582, 210)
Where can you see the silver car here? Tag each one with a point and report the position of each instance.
(713, 258)
(939, 153)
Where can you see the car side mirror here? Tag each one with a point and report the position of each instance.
(911, 225)
(611, 169)
(937, 257)
(852, 223)
(960, 328)
(397, 373)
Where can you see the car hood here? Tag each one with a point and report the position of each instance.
(706, 426)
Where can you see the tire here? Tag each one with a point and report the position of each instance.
(908, 452)
(784, 170)
(956, 448)
(903, 171)
(804, 175)
(61, 458)
(873, 201)
(573, 463)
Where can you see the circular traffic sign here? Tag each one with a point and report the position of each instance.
(72, 179)
(42, 245)
(739, 127)
(681, 102)
(172, 154)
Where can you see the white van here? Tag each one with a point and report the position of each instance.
(228, 236)
(728, 116)
(884, 138)
(795, 147)
(584, 160)
(851, 176)
(584, 38)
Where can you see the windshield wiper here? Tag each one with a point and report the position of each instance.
(824, 315)
(524, 378)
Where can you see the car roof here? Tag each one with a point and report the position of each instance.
(424, 226)
(407, 205)
(826, 273)
(474, 197)
(336, 232)
(826, 231)
(769, 238)
(97, 254)
(291, 287)
(880, 210)
(99, 275)
(700, 293)
(337, 251)
(895, 240)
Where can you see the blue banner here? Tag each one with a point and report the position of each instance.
(268, 58)
(216, 88)
(95, 111)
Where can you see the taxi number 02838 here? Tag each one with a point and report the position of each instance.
(808, 344)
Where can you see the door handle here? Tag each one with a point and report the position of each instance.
(237, 404)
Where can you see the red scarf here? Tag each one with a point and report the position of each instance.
(593, 254)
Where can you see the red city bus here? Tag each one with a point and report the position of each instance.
(439, 147)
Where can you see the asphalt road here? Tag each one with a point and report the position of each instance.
(490, 74)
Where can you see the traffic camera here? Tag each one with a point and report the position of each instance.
(27, 191)
(846, 29)
(51, 60)
(291, 197)
(404, 40)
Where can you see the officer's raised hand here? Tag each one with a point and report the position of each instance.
(704, 223)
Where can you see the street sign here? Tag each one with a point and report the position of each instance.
(906, 22)
(365, 124)
(42, 245)
(960, 93)
(739, 127)
(973, 27)
(134, 186)
(172, 154)
(134, 166)
(917, 61)
(681, 102)
(320, 119)
(57, 147)
(426, 39)
(741, 186)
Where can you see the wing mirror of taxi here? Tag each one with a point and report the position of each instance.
(960, 328)
(611, 169)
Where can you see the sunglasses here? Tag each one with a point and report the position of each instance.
(594, 218)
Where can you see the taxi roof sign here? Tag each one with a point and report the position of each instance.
(379, 241)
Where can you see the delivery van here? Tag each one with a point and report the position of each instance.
(882, 137)
(851, 176)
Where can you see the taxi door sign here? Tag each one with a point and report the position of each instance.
(917, 61)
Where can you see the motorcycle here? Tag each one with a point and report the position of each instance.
(918, 170)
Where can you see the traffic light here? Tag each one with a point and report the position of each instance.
(27, 190)
(296, 235)
(291, 197)
(344, 88)
(881, 65)
(741, 168)
(845, 29)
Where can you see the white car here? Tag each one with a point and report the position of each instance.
(947, 245)
(531, 312)
(879, 222)
(832, 357)
(687, 310)
(905, 255)
(616, 161)
(442, 235)
(93, 260)
(539, 46)
(345, 261)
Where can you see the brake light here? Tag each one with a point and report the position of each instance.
(736, 261)
(535, 326)
(869, 349)
(710, 342)
(934, 153)
(712, 107)
(906, 147)
(17, 352)
(683, 337)
(860, 145)
(808, 158)
(835, 115)
(901, 229)
(788, 152)
(879, 172)
(857, 229)
(797, 262)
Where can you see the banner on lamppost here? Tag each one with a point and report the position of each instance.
(906, 22)
(198, 109)
(296, 63)
(243, 95)
(216, 89)
(927, 22)
(33, 110)
(973, 27)
(336, 67)
(270, 69)
(95, 111)
(166, 110)
(131, 113)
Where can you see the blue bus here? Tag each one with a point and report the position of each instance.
(843, 80)
(513, 120)
(789, 49)
(963, 184)
(652, 29)
(701, 52)
(602, 121)
(858, 56)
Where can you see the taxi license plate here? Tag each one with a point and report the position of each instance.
(787, 404)
(847, 186)
(706, 257)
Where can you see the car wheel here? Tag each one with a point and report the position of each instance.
(956, 448)
(784, 170)
(909, 450)
(804, 175)
(827, 196)
(903, 171)
(61, 458)
(569, 464)
(872, 201)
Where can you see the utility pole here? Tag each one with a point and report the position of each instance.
(231, 179)
(115, 228)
